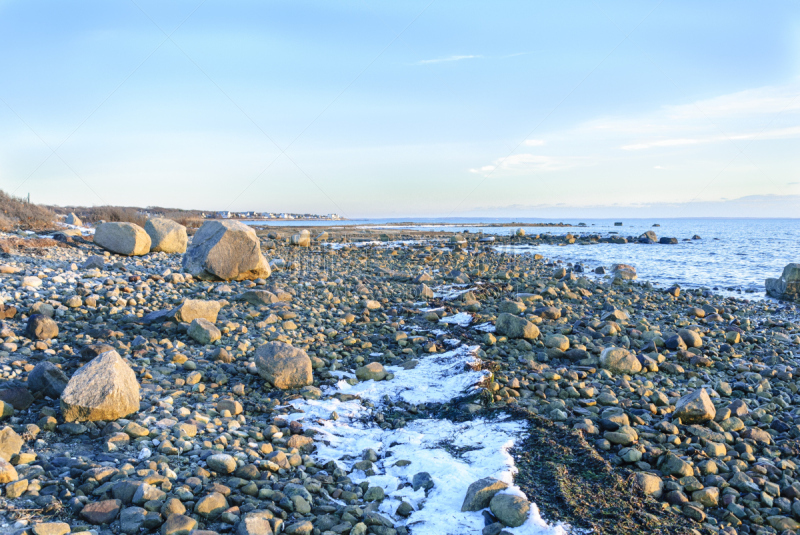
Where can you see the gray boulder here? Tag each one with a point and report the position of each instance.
(203, 331)
(104, 389)
(695, 408)
(516, 327)
(258, 297)
(510, 509)
(284, 366)
(226, 250)
(122, 238)
(372, 371)
(186, 312)
(302, 238)
(649, 484)
(618, 360)
(166, 235)
(72, 219)
(41, 327)
(787, 286)
(48, 379)
(481, 492)
(10, 443)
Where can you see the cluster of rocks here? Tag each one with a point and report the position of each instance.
(149, 393)
(589, 238)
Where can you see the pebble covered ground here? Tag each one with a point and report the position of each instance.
(681, 406)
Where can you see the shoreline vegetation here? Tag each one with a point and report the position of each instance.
(644, 409)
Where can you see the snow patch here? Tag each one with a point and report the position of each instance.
(454, 454)
(462, 318)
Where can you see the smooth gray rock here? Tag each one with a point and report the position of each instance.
(122, 238)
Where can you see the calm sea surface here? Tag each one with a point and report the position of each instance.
(733, 255)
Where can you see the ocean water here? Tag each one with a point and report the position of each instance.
(733, 256)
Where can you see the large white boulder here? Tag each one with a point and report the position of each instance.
(104, 389)
(226, 250)
(122, 238)
(167, 236)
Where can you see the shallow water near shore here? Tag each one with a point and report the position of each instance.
(732, 256)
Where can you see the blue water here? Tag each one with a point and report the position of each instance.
(733, 255)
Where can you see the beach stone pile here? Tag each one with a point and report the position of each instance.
(148, 393)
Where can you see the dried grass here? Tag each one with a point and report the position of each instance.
(16, 213)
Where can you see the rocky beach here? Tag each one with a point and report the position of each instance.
(259, 381)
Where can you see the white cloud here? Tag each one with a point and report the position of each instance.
(779, 133)
(449, 58)
(761, 100)
(524, 163)
(533, 142)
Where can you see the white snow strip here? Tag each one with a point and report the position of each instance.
(485, 327)
(454, 454)
(452, 291)
(462, 318)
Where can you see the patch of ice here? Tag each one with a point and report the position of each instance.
(436, 379)
(449, 292)
(454, 454)
(485, 327)
(462, 318)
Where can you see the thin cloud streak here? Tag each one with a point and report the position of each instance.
(449, 58)
(780, 133)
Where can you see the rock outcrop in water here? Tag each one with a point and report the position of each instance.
(787, 286)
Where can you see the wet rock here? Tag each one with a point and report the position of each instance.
(787, 286)
(104, 389)
(226, 250)
(284, 366)
(122, 238)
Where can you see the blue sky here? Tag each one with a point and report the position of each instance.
(403, 108)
